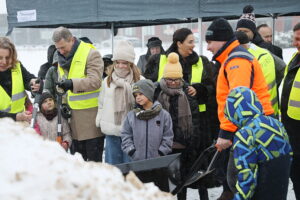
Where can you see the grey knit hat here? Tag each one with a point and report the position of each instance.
(146, 87)
(124, 51)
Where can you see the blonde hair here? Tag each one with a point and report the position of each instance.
(5, 43)
(134, 68)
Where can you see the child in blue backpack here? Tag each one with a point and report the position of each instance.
(261, 149)
(147, 131)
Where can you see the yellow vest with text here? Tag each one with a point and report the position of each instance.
(84, 100)
(197, 70)
(293, 109)
(267, 63)
(16, 102)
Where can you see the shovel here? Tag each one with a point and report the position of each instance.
(195, 173)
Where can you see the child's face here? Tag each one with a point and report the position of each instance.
(48, 104)
(141, 99)
(173, 82)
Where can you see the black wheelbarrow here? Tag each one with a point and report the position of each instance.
(165, 171)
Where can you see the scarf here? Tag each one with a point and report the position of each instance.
(124, 100)
(184, 110)
(65, 62)
(148, 114)
(49, 114)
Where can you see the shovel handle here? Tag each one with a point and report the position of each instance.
(219, 148)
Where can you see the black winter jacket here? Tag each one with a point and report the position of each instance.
(257, 39)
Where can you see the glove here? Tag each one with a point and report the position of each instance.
(131, 152)
(66, 84)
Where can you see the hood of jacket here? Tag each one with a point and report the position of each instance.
(242, 105)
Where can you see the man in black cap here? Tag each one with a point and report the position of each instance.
(238, 68)
(154, 47)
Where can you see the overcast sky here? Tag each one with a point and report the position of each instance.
(3, 7)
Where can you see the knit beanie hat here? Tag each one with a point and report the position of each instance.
(124, 51)
(219, 30)
(173, 67)
(146, 87)
(247, 20)
(43, 97)
(242, 37)
(154, 42)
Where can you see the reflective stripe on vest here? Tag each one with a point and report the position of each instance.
(16, 102)
(293, 110)
(79, 101)
(197, 70)
(267, 63)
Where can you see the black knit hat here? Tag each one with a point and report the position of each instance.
(154, 42)
(247, 20)
(219, 30)
(43, 97)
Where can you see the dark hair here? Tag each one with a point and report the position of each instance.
(86, 40)
(179, 36)
(261, 26)
(296, 27)
(242, 37)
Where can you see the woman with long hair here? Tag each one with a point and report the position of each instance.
(14, 80)
(116, 100)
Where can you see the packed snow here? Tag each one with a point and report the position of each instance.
(34, 168)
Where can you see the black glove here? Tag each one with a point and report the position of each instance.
(66, 84)
(131, 152)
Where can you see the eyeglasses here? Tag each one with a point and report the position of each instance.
(170, 80)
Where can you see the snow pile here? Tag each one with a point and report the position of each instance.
(33, 168)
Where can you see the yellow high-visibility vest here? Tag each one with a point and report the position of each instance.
(16, 102)
(197, 70)
(267, 63)
(79, 101)
(293, 109)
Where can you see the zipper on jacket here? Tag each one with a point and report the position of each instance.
(147, 139)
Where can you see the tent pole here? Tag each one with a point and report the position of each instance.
(143, 38)
(273, 28)
(200, 35)
(112, 37)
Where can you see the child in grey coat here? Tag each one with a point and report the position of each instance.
(147, 130)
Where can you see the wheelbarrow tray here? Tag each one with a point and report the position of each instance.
(164, 171)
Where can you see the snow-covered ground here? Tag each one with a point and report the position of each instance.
(33, 58)
(35, 169)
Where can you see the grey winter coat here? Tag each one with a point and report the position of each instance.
(50, 79)
(148, 138)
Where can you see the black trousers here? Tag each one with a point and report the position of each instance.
(91, 149)
(295, 175)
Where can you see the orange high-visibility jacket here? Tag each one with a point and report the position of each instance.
(239, 68)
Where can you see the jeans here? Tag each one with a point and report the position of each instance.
(113, 152)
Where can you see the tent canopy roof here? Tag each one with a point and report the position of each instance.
(132, 13)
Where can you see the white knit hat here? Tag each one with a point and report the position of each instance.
(124, 51)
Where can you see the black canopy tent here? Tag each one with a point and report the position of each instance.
(131, 13)
(114, 14)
